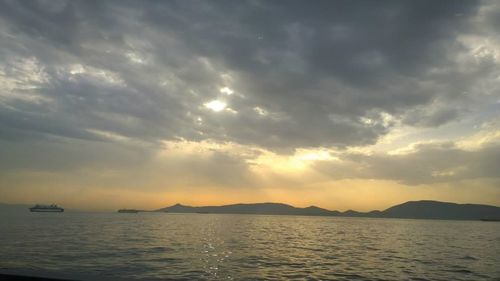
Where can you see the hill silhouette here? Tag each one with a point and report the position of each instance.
(257, 208)
(427, 209)
(424, 209)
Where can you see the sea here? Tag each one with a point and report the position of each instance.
(167, 246)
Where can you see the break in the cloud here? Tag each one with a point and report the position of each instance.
(123, 86)
(427, 163)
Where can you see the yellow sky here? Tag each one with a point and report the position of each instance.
(207, 173)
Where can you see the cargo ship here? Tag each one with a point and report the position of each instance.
(47, 208)
(128, 211)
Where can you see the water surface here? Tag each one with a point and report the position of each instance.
(246, 247)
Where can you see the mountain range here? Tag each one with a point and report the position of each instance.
(425, 209)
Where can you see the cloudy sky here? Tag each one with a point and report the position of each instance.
(340, 104)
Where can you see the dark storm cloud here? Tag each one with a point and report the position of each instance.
(124, 165)
(427, 164)
(326, 73)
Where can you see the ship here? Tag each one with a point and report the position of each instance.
(128, 211)
(53, 208)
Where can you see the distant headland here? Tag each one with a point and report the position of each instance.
(425, 209)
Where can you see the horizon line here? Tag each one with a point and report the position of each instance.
(265, 202)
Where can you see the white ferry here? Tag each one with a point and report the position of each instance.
(46, 208)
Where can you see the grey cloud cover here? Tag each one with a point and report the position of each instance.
(327, 74)
(148, 68)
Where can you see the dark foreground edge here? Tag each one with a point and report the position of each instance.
(16, 277)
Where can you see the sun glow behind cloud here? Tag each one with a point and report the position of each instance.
(216, 105)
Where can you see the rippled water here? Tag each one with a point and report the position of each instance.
(251, 247)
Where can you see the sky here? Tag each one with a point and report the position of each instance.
(339, 104)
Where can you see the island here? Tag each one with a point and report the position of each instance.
(424, 209)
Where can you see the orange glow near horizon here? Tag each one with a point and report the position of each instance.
(360, 195)
(209, 173)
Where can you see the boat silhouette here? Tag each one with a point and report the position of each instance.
(53, 208)
(128, 211)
